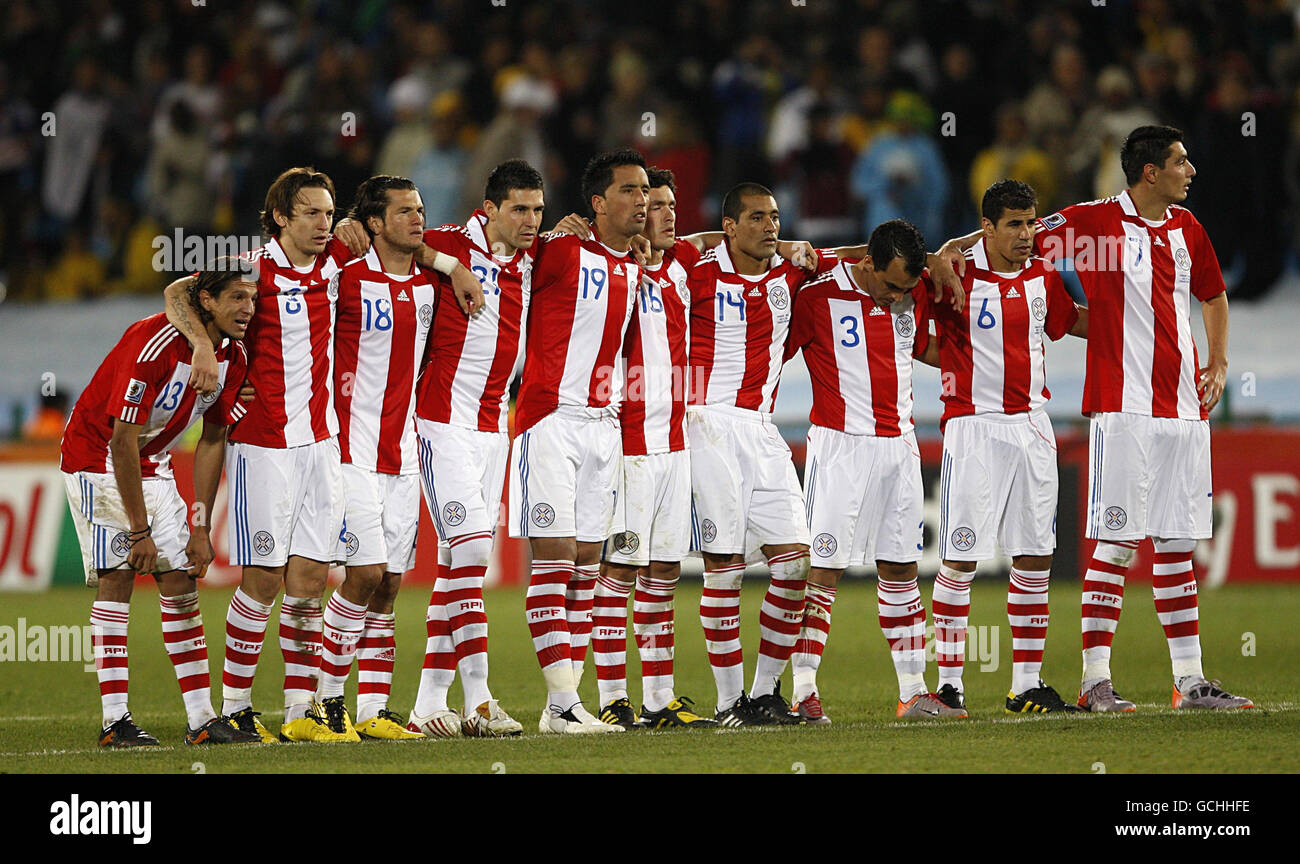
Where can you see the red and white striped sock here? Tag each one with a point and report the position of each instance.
(439, 651)
(182, 626)
(343, 623)
(813, 633)
(245, 632)
(579, 600)
(652, 624)
(549, 626)
(301, 621)
(779, 619)
(609, 637)
(1174, 586)
(902, 620)
(720, 618)
(108, 639)
(1027, 613)
(376, 655)
(470, 554)
(950, 606)
(1103, 598)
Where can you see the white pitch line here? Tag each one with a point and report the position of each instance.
(162, 749)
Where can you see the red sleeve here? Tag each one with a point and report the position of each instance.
(135, 387)
(1061, 311)
(685, 252)
(1058, 236)
(826, 260)
(228, 409)
(450, 240)
(1207, 278)
(553, 256)
(339, 251)
(923, 311)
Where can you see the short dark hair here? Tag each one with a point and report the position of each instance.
(218, 275)
(661, 177)
(599, 173)
(732, 203)
(283, 194)
(372, 198)
(897, 239)
(1007, 195)
(1146, 145)
(511, 174)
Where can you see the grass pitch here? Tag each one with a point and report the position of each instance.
(49, 711)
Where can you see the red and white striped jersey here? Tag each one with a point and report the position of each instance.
(380, 334)
(473, 360)
(291, 347)
(145, 381)
(653, 412)
(991, 352)
(738, 328)
(859, 353)
(582, 299)
(1139, 277)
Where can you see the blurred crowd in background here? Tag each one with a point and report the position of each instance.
(168, 114)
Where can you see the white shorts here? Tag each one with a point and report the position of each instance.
(1148, 477)
(380, 519)
(656, 508)
(998, 476)
(284, 502)
(864, 498)
(462, 472)
(743, 482)
(566, 476)
(102, 523)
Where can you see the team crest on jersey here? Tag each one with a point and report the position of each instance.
(543, 515)
(332, 290)
(1053, 221)
(263, 543)
(453, 513)
(684, 292)
(627, 543)
(1182, 260)
(963, 539)
(777, 294)
(206, 399)
(1115, 518)
(121, 545)
(824, 545)
(352, 543)
(904, 325)
(708, 530)
(1039, 308)
(135, 391)
(426, 315)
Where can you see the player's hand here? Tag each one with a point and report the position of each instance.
(204, 370)
(945, 276)
(639, 246)
(800, 253)
(246, 392)
(468, 290)
(143, 557)
(574, 224)
(353, 236)
(199, 550)
(1210, 383)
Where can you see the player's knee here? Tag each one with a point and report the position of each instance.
(475, 552)
(1120, 556)
(114, 586)
(386, 592)
(1180, 546)
(726, 580)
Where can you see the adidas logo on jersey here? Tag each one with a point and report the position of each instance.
(618, 269)
(1012, 293)
(401, 295)
(1159, 242)
(754, 292)
(877, 310)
